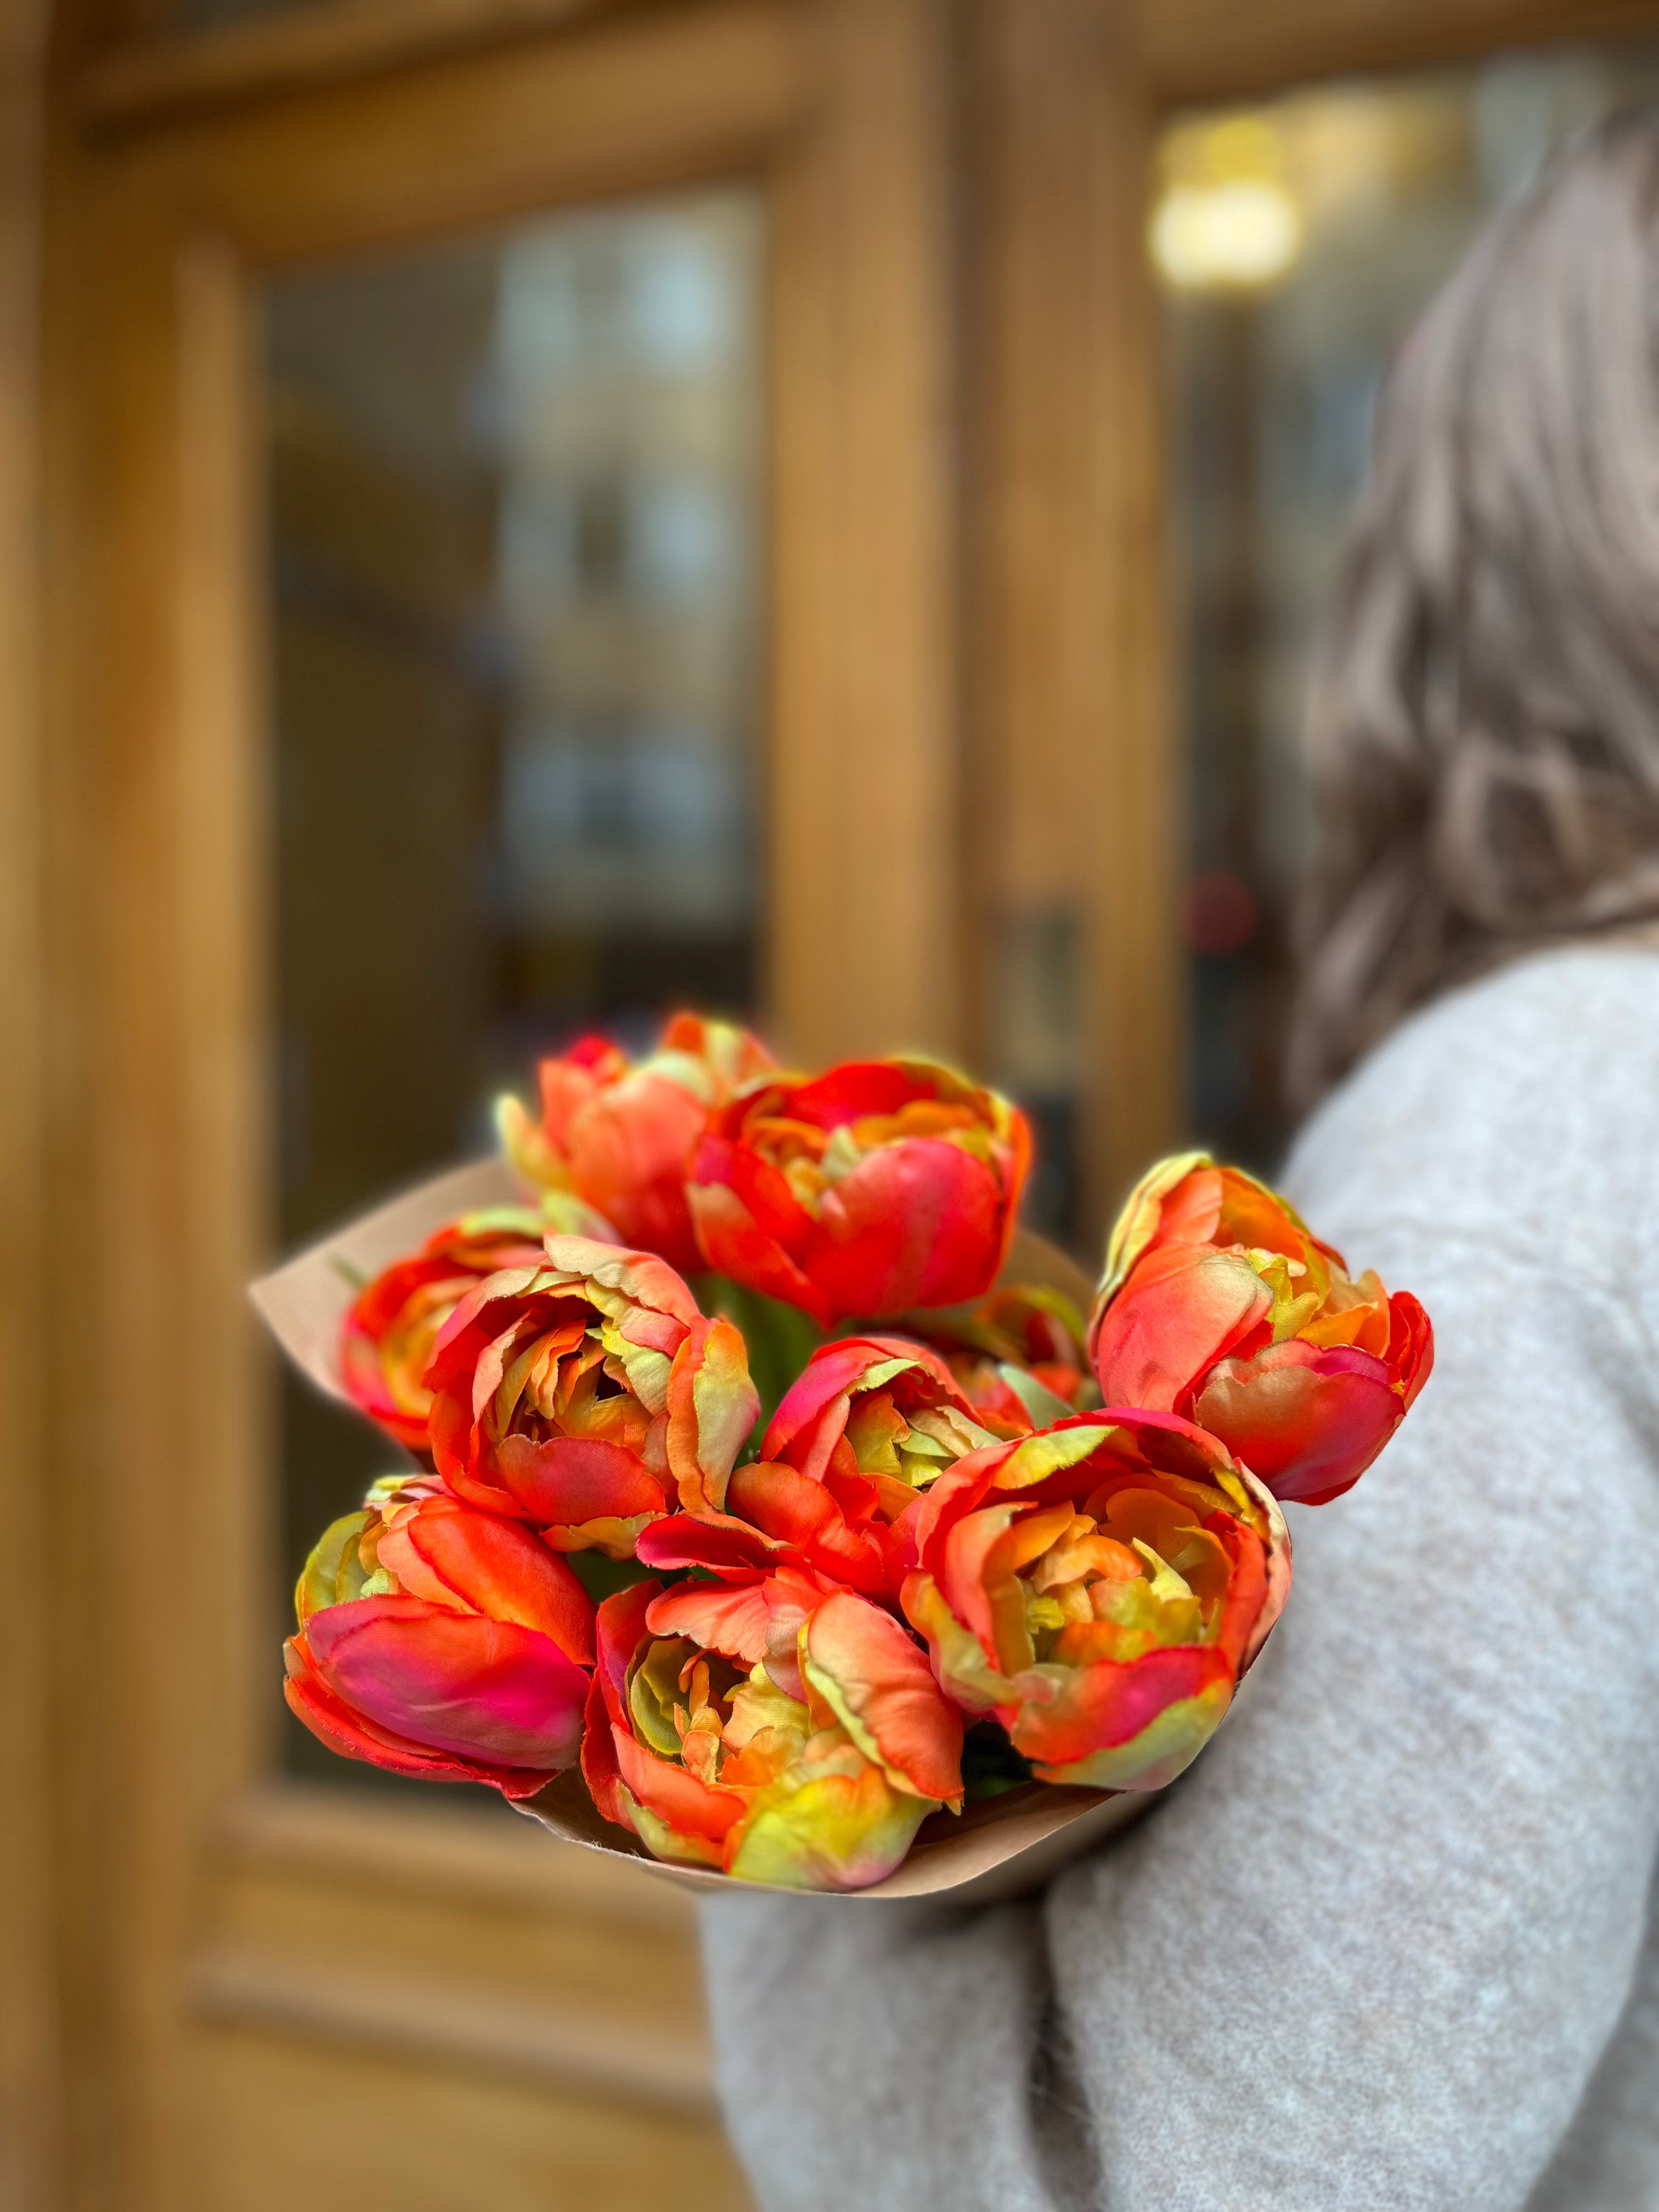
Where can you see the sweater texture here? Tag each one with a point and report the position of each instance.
(1387, 1946)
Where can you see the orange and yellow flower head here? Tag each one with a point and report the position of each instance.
(393, 1323)
(586, 1393)
(880, 1186)
(810, 1765)
(1099, 1587)
(439, 1641)
(618, 1133)
(1219, 1304)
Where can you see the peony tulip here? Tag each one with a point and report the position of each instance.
(869, 1422)
(438, 1641)
(881, 1186)
(1017, 1355)
(694, 1746)
(619, 1135)
(1219, 1304)
(392, 1325)
(583, 1393)
(1099, 1587)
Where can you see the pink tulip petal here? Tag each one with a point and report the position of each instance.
(456, 1682)
(1307, 1421)
(354, 1736)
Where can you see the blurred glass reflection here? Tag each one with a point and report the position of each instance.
(1297, 244)
(516, 572)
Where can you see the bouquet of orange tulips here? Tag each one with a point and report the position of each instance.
(770, 1506)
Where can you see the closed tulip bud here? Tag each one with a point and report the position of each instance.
(586, 1394)
(1099, 1588)
(618, 1134)
(881, 1186)
(693, 1744)
(438, 1641)
(1219, 1304)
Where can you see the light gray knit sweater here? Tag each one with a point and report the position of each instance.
(1384, 1946)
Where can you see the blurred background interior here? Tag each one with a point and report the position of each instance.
(514, 515)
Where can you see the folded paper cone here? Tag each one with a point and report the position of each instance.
(1001, 1848)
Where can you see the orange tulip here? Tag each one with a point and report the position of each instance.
(869, 1422)
(1098, 1588)
(619, 1134)
(819, 1782)
(393, 1323)
(438, 1641)
(1218, 1304)
(880, 1186)
(583, 1393)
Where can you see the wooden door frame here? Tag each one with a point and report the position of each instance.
(131, 1145)
(184, 1851)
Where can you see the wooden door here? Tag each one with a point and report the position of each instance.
(238, 1991)
(273, 1991)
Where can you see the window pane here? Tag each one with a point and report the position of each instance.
(514, 543)
(1297, 244)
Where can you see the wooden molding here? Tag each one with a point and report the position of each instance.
(1212, 50)
(441, 2018)
(475, 1855)
(155, 79)
(313, 1892)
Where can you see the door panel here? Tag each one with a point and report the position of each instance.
(272, 1976)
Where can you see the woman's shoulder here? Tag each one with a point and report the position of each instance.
(1524, 1105)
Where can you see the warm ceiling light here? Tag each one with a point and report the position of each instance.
(1232, 236)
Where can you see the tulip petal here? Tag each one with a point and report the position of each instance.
(1164, 1749)
(641, 1277)
(836, 1833)
(1142, 1217)
(449, 1554)
(456, 1682)
(1307, 1421)
(791, 1509)
(690, 1811)
(1183, 1307)
(564, 1479)
(878, 1684)
(352, 1735)
(713, 1406)
(734, 1244)
(958, 1658)
(724, 1546)
(1068, 1715)
(1410, 1355)
(915, 1223)
(716, 1618)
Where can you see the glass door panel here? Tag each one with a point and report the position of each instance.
(1297, 243)
(516, 574)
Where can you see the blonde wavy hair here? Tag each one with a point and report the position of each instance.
(1484, 726)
